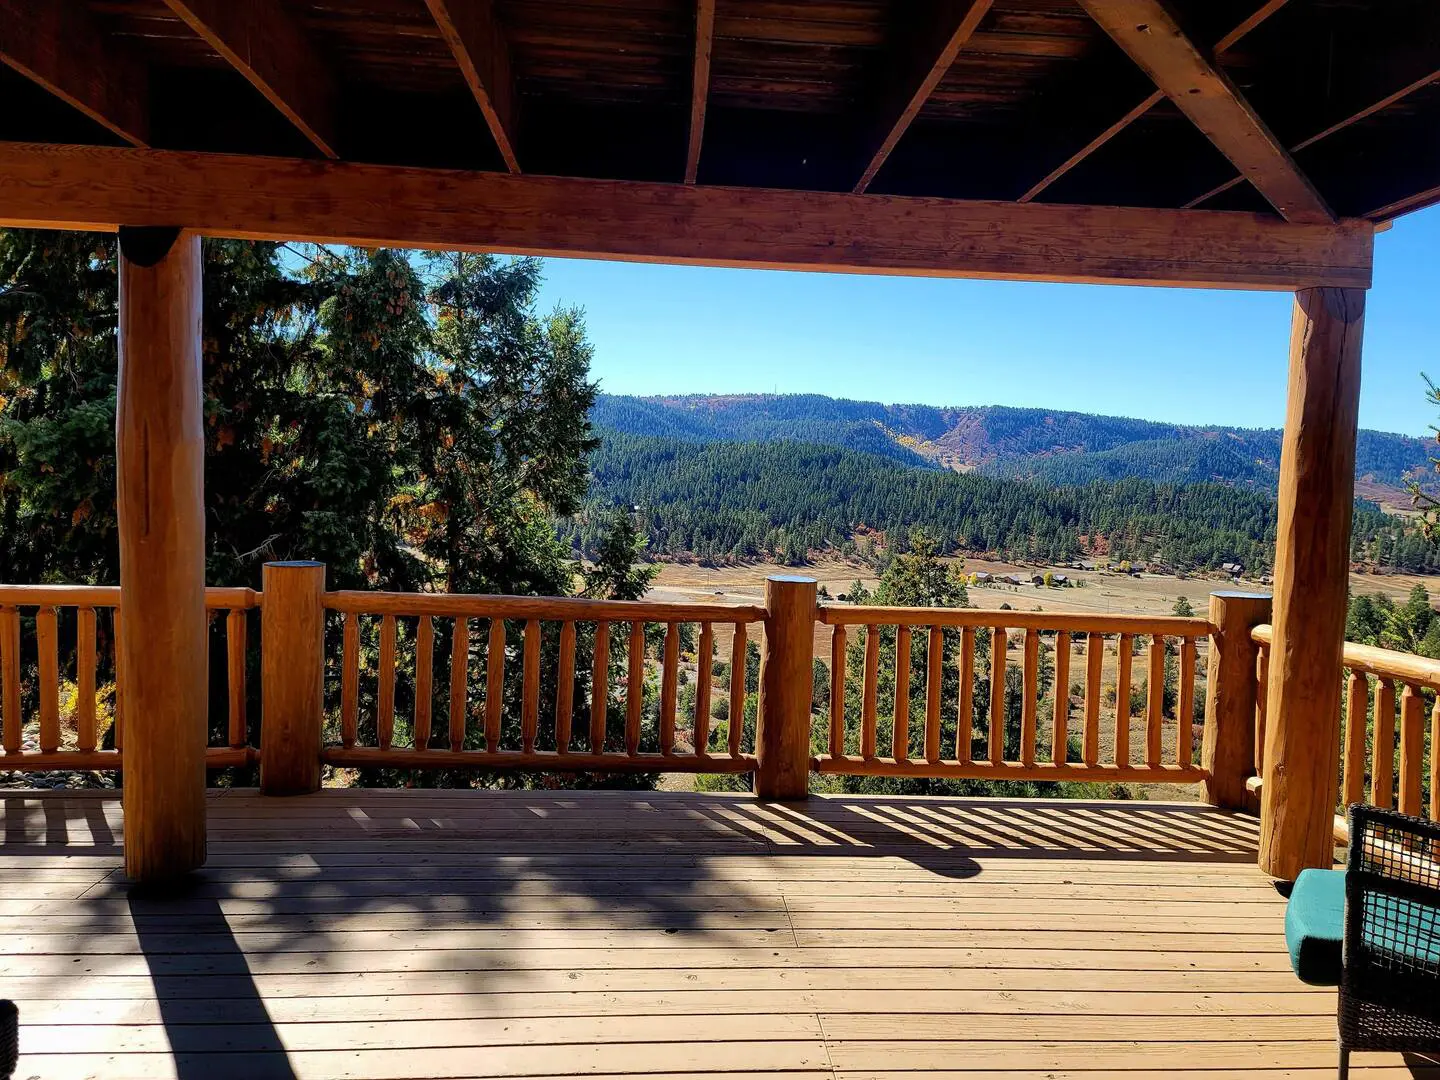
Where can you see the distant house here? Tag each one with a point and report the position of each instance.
(983, 578)
(1234, 569)
(1059, 579)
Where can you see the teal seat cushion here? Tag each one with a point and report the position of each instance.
(1315, 926)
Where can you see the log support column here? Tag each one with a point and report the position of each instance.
(292, 677)
(160, 502)
(1312, 562)
(782, 739)
(1227, 752)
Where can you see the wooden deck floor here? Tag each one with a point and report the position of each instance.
(467, 934)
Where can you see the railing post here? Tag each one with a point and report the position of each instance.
(1228, 750)
(292, 677)
(782, 740)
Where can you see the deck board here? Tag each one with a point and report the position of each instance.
(610, 934)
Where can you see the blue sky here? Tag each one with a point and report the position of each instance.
(1164, 354)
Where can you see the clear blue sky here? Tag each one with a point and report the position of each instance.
(1164, 354)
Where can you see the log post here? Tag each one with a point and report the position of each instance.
(1312, 562)
(160, 469)
(292, 677)
(1227, 751)
(782, 740)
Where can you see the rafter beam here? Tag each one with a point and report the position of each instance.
(376, 205)
(699, 85)
(913, 75)
(1149, 34)
(478, 44)
(57, 44)
(265, 43)
(1091, 109)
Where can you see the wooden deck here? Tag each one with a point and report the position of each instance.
(494, 934)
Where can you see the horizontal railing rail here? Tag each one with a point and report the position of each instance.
(92, 623)
(1381, 763)
(957, 736)
(600, 655)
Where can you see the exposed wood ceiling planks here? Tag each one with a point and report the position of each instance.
(1088, 105)
(375, 205)
(473, 33)
(1149, 34)
(265, 43)
(57, 44)
(915, 74)
(699, 85)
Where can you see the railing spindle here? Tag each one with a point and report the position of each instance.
(635, 690)
(385, 693)
(599, 687)
(1030, 707)
(1155, 701)
(1094, 659)
(1382, 769)
(869, 704)
(236, 634)
(1412, 748)
(900, 730)
(669, 687)
(1185, 705)
(530, 681)
(1357, 705)
(704, 682)
(1435, 764)
(10, 674)
(1262, 702)
(965, 717)
(48, 646)
(737, 689)
(118, 725)
(85, 734)
(837, 692)
(350, 680)
(494, 684)
(1123, 661)
(459, 681)
(424, 680)
(999, 644)
(1060, 729)
(565, 687)
(934, 684)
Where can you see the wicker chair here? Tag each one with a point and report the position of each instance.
(1390, 975)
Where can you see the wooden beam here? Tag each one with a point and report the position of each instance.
(699, 85)
(1149, 34)
(59, 45)
(478, 44)
(339, 202)
(1312, 564)
(264, 42)
(913, 75)
(1086, 109)
(160, 452)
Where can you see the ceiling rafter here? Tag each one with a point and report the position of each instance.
(699, 85)
(265, 43)
(1124, 119)
(1150, 35)
(915, 72)
(58, 45)
(477, 41)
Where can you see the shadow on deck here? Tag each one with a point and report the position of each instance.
(387, 933)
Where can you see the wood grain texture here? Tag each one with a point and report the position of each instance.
(160, 451)
(60, 45)
(47, 656)
(934, 689)
(1357, 708)
(704, 684)
(1382, 762)
(476, 40)
(1155, 700)
(782, 740)
(494, 683)
(837, 691)
(599, 688)
(1412, 749)
(1094, 661)
(237, 633)
(264, 42)
(85, 657)
(1060, 723)
(1317, 469)
(350, 680)
(1124, 652)
(1227, 749)
(292, 677)
(669, 687)
(999, 643)
(385, 684)
(459, 683)
(900, 702)
(699, 86)
(965, 717)
(377, 205)
(1149, 34)
(565, 687)
(530, 686)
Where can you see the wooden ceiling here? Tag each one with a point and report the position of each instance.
(1312, 109)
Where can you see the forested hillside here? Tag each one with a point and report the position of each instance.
(1053, 446)
(745, 500)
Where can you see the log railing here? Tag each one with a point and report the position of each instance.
(1382, 762)
(470, 678)
(1054, 739)
(71, 631)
